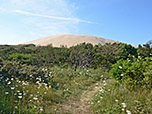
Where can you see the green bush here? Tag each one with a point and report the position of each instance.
(24, 58)
(133, 72)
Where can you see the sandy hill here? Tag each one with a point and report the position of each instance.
(69, 40)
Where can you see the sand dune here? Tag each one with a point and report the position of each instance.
(69, 40)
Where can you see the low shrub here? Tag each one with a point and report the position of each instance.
(133, 72)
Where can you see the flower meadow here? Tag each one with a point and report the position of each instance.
(130, 90)
(34, 93)
(40, 79)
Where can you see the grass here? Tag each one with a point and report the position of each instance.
(21, 96)
(115, 98)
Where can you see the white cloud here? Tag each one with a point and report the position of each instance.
(51, 17)
(45, 17)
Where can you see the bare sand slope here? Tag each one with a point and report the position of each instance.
(69, 40)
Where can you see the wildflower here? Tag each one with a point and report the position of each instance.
(6, 93)
(123, 109)
(101, 90)
(104, 84)
(41, 109)
(19, 97)
(20, 93)
(124, 105)
(35, 98)
(128, 111)
(122, 75)
(12, 88)
(116, 100)
(104, 81)
(98, 101)
(120, 67)
(9, 83)
(45, 92)
(101, 97)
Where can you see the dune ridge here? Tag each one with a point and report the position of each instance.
(69, 40)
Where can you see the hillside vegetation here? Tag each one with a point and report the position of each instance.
(39, 79)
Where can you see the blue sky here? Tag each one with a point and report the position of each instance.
(128, 21)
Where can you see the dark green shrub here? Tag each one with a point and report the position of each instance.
(133, 72)
(24, 58)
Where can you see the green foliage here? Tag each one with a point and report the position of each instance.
(83, 55)
(24, 58)
(31, 89)
(116, 98)
(145, 50)
(22, 71)
(133, 72)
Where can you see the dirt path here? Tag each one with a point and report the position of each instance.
(82, 106)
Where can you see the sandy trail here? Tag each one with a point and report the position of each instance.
(82, 106)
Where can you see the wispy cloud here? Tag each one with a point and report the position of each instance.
(40, 18)
(51, 17)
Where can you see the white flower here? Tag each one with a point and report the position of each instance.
(123, 109)
(41, 109)
(20, 93)
(101, 97)
(19, 97)
(6, 93)
(104, 81)
(122, 75)
(120, 67)
(9, 83)
(116, 100)
(45, 92)
(124, 105)
(128, 111)
(12, 88)
(98, 101)
(35, 98)
(101, 90)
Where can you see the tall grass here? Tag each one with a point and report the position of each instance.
(21, 96)
(115, 98)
